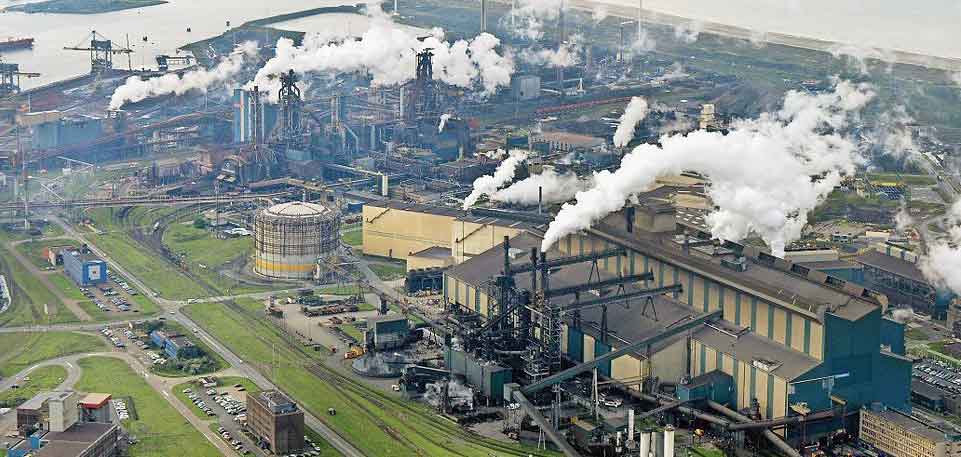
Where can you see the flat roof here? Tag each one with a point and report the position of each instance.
(83, 256)
(37, 401)
(626, 324)
(418, 207)
(94, 400)
(910, 424)
(782, 288)
(748, 346)
(497, 221)
(926, 390)
(74, 440)
(893, 265)
(831, 265)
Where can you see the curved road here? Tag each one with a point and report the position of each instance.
(158, 383)
(172, 307)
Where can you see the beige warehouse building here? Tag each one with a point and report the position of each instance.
(899, 435)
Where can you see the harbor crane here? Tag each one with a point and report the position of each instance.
(10, 75)
(101, 51)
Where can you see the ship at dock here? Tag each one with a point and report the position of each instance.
(16, 43)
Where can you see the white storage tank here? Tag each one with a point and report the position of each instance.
(290, 237)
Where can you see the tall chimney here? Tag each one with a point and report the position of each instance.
(646, 443)
(669, 441)
(540, 199)
(483, 25)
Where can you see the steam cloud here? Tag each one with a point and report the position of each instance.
(388, 53)
(135, 89)
(443, 122)
(529, 17)
(942, 265)
(860, 55)
(564, 56)
(635, 112)
(766, 174)
(556, 188)
(488, 184)
(687, 32)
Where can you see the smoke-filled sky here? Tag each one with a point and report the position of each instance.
(556, 188)
(942, 264)
(766, 174)
(388, 52)
(489, 184)
(135, 89)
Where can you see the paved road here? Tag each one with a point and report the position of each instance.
(35, 272)
(158, 383)
(171, 306)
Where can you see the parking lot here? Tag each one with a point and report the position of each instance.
(228, 405)
(938, 374)
(113, 296)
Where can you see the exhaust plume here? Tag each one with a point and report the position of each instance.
(529, 17)
(634, 113)
(942, 264)
(687, 32)
(443, 122)
(135, 89)
(564, 56)
(766, 174)
(556, 188)
(488, 184)
(388, 53)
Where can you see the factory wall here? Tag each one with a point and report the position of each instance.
(750, 382)
(867, 374)
(396, 233)
(788, 327)
(416, 263)
(468, 239)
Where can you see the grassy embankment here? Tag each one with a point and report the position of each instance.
(21, 350)
(159, 428)
(42, 379)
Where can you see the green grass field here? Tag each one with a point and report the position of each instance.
(352, 331)
(42, 379)
(363, 414)
(164, 278)
(908, 179)
(353, 237)
(33, 250)
(21, 350)
(29, 296)
(206, 254)
(66, 286)
(388, 271)
(159, 428)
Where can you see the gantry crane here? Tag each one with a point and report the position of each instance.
(10, 75)
(101, 51)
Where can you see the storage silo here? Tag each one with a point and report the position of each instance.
(290, 237)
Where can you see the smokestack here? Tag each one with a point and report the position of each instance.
(630, 425)
(646, 443)
(395, 7)
(669, 441)
(657, 444)
(540, 199)
(640, 11)
(483, 24)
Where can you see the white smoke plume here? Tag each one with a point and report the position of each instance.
(388, 53)
(687, 32)
(562, 57)
(555, 187)
(956, 77)
(599, 13)
(634, 113)
(903, 315)
(902, 220)
(643, 43)
(678, 125)
(529, 17)
(766, 174)
(489, 184)
(758, 38)
(136, 89)
(676, 71)
(942, 264)
(443, 122)
(859, 56)
(893, 133)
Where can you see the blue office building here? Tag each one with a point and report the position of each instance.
(83, 267)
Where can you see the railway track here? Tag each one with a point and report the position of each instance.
(366, 400)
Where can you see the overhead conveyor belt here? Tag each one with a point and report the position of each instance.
(771, 436)
(599, 284)
(560, 262)
(587, 366)
(619, 297)
(548, 429)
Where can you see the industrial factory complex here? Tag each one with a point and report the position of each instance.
(476, 230)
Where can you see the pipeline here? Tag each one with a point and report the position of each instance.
(771, 436)
(684, 409)
(818, 416)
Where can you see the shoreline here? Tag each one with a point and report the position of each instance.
(49, 7)
(893, 56)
